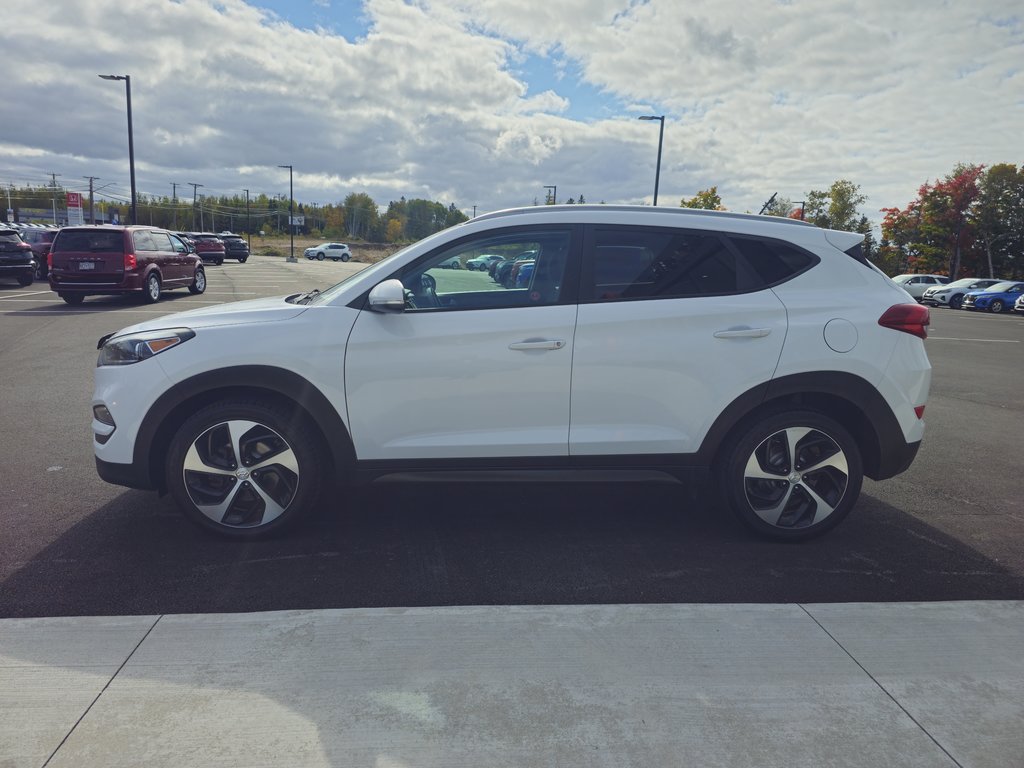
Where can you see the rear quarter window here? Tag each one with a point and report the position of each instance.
(772, 261)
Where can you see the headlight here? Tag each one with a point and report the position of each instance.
(137, 347)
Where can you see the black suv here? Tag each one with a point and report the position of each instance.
(235, 247)
(16, 257)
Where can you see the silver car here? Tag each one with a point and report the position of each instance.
(952, 295)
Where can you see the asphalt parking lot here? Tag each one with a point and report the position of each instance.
(951, 528)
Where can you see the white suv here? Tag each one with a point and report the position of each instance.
(640, 340)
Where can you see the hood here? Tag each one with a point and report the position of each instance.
(233, 313)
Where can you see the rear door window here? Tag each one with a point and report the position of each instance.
(161, 242)
(640, 263)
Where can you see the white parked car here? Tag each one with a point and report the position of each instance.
(332, 251)
(645, 340)
(952, 294)
(484, 261)
(916, 285)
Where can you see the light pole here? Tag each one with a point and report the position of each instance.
(553, 197)
(248, 226)
(291, 207)
(131, 142)
(661, 137)
(195, 188)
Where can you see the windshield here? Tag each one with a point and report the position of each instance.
(1001, 287)
(962, 282)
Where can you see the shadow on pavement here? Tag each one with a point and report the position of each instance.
(479, 544)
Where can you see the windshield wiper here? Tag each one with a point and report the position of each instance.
(308, 297)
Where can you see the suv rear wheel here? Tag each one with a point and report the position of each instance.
(791, 475)
(244, 468)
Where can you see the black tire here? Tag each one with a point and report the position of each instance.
(218, 261)
(240, 502)
(957, 301)
(796, 505)
(74, 299)
(346, 256)
(242, 259)
(151, 293)
(41, 270)
(996, 307)
(198, 282)
(320, 256)
(26, 280)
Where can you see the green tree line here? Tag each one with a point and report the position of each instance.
(357, 217)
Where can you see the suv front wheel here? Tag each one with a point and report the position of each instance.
(791, 475)
(244, 468)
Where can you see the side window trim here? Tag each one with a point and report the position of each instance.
(748, 281)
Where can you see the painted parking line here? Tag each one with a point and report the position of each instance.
(20, 296)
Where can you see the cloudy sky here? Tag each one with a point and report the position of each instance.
(484, 102)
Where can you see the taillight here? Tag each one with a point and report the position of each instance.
(130, 263)
(49, 260)
(909, 318)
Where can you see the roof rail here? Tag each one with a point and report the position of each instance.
(647, 209)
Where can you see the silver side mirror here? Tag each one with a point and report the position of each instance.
(388, 296)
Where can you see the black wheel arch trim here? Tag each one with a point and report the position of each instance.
(158, 425)
(846, 397)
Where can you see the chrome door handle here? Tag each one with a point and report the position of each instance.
(538, 344)
(743, 333)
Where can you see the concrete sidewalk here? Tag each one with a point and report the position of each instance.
(873, 685)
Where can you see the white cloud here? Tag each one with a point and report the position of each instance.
(433, 102)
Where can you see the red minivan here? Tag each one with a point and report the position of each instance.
(111, 260)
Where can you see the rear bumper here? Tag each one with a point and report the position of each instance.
(62, 283)
(895, 459)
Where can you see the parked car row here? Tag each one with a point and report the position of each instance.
(217, 247)
(507, 271)
(997, 298)
(971, 293)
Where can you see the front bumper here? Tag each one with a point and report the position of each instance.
(128, 475)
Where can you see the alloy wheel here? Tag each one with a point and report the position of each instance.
(241, 474)
(796, 477)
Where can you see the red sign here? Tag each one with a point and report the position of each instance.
(74, 199)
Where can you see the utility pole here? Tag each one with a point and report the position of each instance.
(174, 202)
(194, 188)
(92, 211)
(53, 185)
(248, 228)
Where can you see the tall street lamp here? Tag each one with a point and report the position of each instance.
(291, 207)
(552, 194)
(131, 143)
(661, 137)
